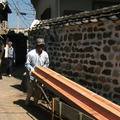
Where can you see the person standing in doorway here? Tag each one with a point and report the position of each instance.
(10, 57)
(36, 57)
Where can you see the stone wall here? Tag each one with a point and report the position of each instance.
(88, 54)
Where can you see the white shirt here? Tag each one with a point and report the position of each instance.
(35, 59)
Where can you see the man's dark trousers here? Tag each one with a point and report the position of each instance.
(9, 63)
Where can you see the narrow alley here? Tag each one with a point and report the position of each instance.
(12, 97)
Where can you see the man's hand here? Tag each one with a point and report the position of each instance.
(31, 70)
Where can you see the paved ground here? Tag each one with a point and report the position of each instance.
(12, 97)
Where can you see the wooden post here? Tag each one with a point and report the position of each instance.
(53, 108)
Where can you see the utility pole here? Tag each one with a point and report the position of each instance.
(17, 21)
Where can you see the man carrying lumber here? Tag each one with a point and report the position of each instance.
(36, 57)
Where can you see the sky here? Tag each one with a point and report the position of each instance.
(26, 13)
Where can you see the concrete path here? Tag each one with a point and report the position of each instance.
(12, 98)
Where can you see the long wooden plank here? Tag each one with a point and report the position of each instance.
(76, 95)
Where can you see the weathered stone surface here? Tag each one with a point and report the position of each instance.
(94, 78)
(85, 36)
(95, 28)
(75, 61)
(91, 35)
(90, 29)
(88, 54)
(77, 36)
(112, 41)
(65, 37)
(59, 70)
(52, 38)
(67, 49)
(95, 85)
(82, 55)
(86, 62)
(109, 64)
(98, 70)
(115, 81)
(107, 34)
(118, 57)
(103, 57)
(75, 74)
(110, 27)
(102, 79)
(66, 66)
(117, 28)
(111, 56)
(117, 35)
(97, 56)
(72, 55)
(81, 50)
(116, 73)
(83, 82)
(100, 64)
(106, 87)
(117, 90)
(70, 37)
(97, 49)
(109, 79)
(88, 49)
(101, 24)
(106, 49)
(99, 36)
(85, 68)
(106, 72)
(92, 62)
(75, 44)
(99, 86)
(99, 43)
(86, 43)
(84, 30)
(115, 48)
(89, 84)
(87, 76)
(70, 60)
(101, 29)
(79, 67)
(91, 69)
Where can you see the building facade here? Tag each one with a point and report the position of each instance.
(4, 11)
(46, 9)
(85, 47)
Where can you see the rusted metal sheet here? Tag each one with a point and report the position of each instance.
(76, 95)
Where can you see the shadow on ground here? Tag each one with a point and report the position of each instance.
(40, 113)
(19, 87)
(18, 71)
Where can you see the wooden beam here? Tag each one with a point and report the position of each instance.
(76, 95)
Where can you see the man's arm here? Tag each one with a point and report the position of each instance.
(46, 63)
(28, 61)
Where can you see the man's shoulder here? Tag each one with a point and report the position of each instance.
(44, 52)
(32, 51)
